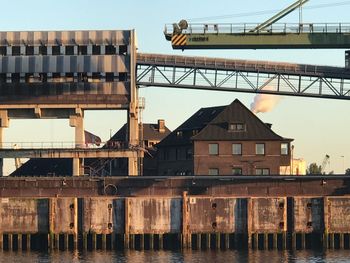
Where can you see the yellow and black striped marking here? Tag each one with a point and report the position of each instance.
(178, 40)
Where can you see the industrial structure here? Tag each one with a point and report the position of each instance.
(266, 35)
(63, 74)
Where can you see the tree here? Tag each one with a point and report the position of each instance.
(314, 169)
(347, 171)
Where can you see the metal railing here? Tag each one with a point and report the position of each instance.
(249, 28)
(63, 145)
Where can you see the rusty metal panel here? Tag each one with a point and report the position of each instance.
(63, 215)
(307, 215)
(212, 215)
(268, 215)
(103, 215)
(338, 214)
(154, 215)
(24, 215)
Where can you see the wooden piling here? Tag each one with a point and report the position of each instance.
(57, 241)
(10, 241)
(28, 245)
(185, 218)
(66, 242)
(266, 241)
(303, 241)
(151, 241)
(127, 222)
(227, 241)
(294, 241)
(331, 240)
(275, 240)
(284, 240)
(1, 241)
(256, 240)
(217, 240)
(341, 241)
(94, 241)
(19, 241)
(85, 241)
(142, 241)
(160, 241)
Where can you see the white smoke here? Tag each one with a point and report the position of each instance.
(264, 103)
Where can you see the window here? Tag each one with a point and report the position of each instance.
(56, 50)
(189, 154)
(284, 148)
(236, 127)
(29, 50)
(96, 50)
(16, 50)
(236, 171)
(3, 51)
(260, 148)
(82, 50)
(213, 171)
(236, 149)
(109, 76)
(179, 134)
(123, 76)
(69, 50)
(123, 49)
(42, 50)
(110, 50)
(213, 148)
(262, 171)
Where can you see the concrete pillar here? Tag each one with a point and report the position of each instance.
(341, 241)
(303, 241)
(4, 123)
(274, 245)
(207, 240)
(227, 241)
(199, 241)
(266, 241)
(1, 241)
(160, 241)
(331, 240)
(133, 127)
(294, 240)
(256, 240)
(142, 241)
(77, 121)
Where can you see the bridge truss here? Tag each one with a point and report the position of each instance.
(243, 76)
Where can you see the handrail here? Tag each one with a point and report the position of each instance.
(248, 28)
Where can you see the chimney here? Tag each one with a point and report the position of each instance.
(269, 125)
(161, 126)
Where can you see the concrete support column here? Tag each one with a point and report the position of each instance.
(77, 121)
(127, 228)
(186, 240)
(133, 126)
(4, 123)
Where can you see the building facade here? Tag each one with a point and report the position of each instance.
(226, 140)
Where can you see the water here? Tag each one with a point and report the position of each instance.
(178, 256)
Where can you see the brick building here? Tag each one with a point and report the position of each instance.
(225, 140)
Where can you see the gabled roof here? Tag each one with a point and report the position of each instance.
(150, 132)
(196, 122)
(212, 125)
(236, 112)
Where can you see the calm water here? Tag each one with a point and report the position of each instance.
(180, 256)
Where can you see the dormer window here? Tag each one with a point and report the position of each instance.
(237, 127)
(179, 134)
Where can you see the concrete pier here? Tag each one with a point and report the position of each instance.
(186, 220)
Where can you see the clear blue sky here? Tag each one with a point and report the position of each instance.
(319, 127)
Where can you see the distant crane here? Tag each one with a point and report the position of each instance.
(326, 161)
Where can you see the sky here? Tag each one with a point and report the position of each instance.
(318, 126)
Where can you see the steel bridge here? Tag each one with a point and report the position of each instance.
(216, 74)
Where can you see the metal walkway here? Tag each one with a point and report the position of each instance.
(249, 36)
(243, 76)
